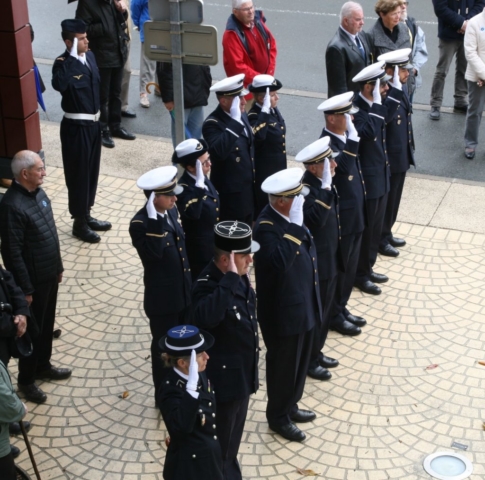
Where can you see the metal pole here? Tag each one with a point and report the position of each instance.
(178, 78)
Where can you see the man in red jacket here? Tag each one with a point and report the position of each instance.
(249, 47)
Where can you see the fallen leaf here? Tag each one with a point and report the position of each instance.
(432, 366)
(167, 441)
(481, 363)
(483, 425)
(125, 394)
(307, 473)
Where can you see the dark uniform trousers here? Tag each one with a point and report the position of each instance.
(79, 86)
(225, 305)
(399, 134)
(321, 216)
(269, 131)
(289, 309)
(161, 248)
(370, 123)
(110, 97)
(231, 148)
(350, 185)
(43, 313)
(194, 451)
(199, 212)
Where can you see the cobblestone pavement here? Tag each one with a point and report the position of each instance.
(381, 414)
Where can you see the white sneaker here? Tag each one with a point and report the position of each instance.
(144, 102)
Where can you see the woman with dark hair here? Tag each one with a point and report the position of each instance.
(188, 407)
(388, 33)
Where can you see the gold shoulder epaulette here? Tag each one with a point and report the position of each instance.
(60, 58)
(266, 222)
(137, 221)
(210, 120)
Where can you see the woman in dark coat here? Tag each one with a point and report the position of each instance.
(188, 407)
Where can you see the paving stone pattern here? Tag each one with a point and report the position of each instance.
(381, 414)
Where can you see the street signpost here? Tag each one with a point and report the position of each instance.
(175, 35)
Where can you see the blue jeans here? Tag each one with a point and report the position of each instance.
(194, 118)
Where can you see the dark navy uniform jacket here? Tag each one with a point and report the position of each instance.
(199, 211)
(231, 150)
(77, 83)
(321, 214)
(400, 140)
(194, 450)
(350, 184)
(370, 123)
(225, 305)
(161, 248)
(286, 276)
(269, 131)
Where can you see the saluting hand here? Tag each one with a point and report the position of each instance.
(296, 210)
(235, 111)
(193, 372)
(232, 264)
(327, 175)
(151, 210)
(396, 82)
(73, 51)
(266, 102)
(376, 93)
(199, 175)
(351, 130)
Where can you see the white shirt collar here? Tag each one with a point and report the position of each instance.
(178, 372)
(349, 34)
(343, 137)
(280, 214)
(365, 99)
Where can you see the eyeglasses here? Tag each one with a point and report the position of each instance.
(246, 10)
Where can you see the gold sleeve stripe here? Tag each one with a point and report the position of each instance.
(137, 221)
(190, 202)
(351, 154)
(259, 127)
(157, 235)
(183, 184)
(293, 239)
(266, 222)
(323, 204)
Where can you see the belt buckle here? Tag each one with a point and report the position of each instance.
(96, 117)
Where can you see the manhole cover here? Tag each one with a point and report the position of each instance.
(448, 466)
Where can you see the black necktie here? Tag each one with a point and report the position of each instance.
(360, 47)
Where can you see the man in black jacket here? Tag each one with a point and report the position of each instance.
(106, 27)
(225, 305)
(160, 242)
(452, 21)
(197, 83)
(289, 306)
(30, 251)
(231, 147)
(348, 52)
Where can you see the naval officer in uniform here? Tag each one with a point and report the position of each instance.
(224, 304)
(289, 306)
(159, 240)
(188, 405)
(76, 76)
(400, 150)
(321, 216)
(269, 131)
(198, 204)
(231, 147)
(349, 182)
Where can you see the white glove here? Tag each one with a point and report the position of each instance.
(327, 176)
(352, 133)
(235, 111)
(199, 174)
(296, 210)
(151, 210)
(396, 82)
(193, 374)
(376, 93)
(266, 102)
(73, 51)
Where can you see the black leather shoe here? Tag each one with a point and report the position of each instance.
(460, 109)
(128, 113)
(470, 154)
(359, 321)
(81, 230)
(303, 416)
(289, 431)
(318, 373)
(57, 333)
(107, 139)
(14, 428)
(388, 251)
(368, 287)
(328, 362)
(14, 451)
(123, 133)
(379, 277)
(55, 373)
(33, 393)
(97, 225)
(346, 328)
(397, 242)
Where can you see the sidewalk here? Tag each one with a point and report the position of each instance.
(378, 418)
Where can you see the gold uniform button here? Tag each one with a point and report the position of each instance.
(215, 200)
(213, 415)
(215, 437)
(214, 426)
(217, 209)
(223, 366)
(194, 456)
(283, 136)
(284, 151)
(210, 404)
(282, 128)
(180, 249)
(238, 159)
(217, 218)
